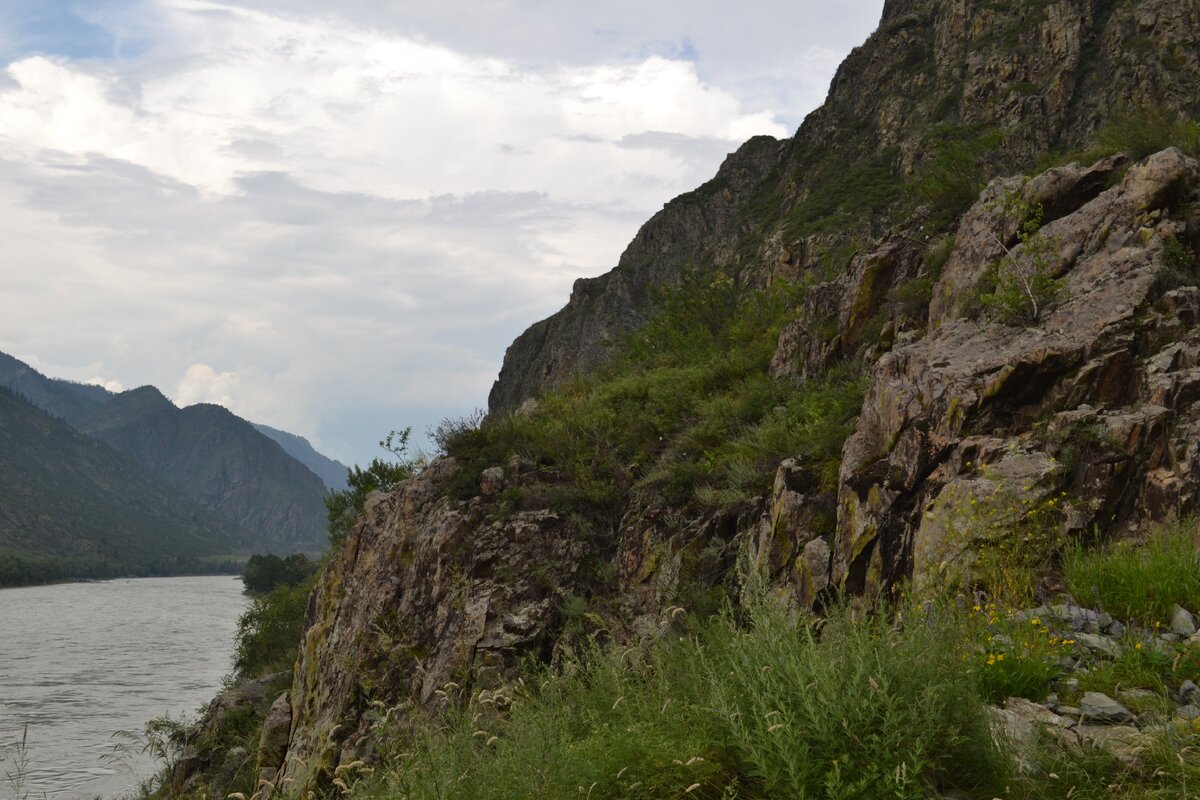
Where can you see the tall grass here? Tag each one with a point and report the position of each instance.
(849, 709)
(858, 709)
(1140, 580)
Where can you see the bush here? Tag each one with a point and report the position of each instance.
(1178, 266)
(344, 507)
(269, 632)
(1019, 288)
(951, 182)
(263, 573)
(1139, 580)
(1142, 131)
(858, 709)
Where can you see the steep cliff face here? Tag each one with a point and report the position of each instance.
(1037, 75)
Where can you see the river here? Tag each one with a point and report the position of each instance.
(81, 662)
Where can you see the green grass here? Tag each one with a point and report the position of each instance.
(687, 412)
(853, 706)
(1139, 580)
(846, 709)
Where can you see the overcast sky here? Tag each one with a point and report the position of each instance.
(334, 217)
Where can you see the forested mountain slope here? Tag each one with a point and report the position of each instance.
(72, 507)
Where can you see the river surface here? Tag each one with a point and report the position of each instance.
(81, 662)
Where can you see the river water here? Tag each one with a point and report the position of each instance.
(81, 662)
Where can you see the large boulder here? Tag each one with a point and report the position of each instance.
(1110, 366)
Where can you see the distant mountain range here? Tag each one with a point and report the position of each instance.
(81, 464)
(72, 507)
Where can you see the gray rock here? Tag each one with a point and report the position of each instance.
(491, 481)
(1122, 741)
(1099, 644)
(1189, 692)
(277, 726)
(1097, 707)
(1188, 712)
(1036, 714)
(1134, 695)
(1183, 624)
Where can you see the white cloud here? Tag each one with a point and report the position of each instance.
(349, 109)
(203, 384)
(339, 223)
(106, 383)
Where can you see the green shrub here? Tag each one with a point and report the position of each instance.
(263, 573)
(1178, 266)
(269, 631)
(1019, 288)
(952, 180)
(860, 709)
(1139, 580)
(846, 194)
(344, 507)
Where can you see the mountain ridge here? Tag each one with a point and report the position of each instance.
(213, 456)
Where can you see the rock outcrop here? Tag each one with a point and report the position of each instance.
(978, 407)
(423, 593)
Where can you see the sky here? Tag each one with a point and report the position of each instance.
(334, 218)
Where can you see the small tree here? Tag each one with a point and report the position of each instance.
(345, 506)
(1022, 283)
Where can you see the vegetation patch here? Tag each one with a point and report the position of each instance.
(1142, 580)
(1020, 287)
(849, 193)
(688, 412)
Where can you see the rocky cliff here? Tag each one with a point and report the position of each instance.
(978, 407)
(1029, 345)
(1029, 78)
